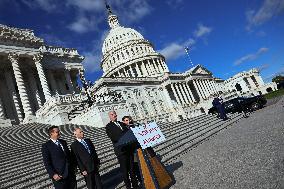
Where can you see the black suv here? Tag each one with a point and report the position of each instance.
(240, 104)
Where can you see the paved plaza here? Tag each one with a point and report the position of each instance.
(248, 154)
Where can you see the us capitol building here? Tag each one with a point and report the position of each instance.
(38, 82)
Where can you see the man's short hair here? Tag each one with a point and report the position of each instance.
(124, 117)
(50, 129)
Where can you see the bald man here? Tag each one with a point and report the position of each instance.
(115, 130)
(87, 159)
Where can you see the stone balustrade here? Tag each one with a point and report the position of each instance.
(59, 50)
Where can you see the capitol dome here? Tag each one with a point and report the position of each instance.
(119, 35)
(127, 54)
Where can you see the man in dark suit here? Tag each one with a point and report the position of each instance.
(58, 161)
(115, 130)
(220, 108)
(87, 159)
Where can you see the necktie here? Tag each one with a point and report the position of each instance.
(118, 125)
(85, 145)
(59, 145)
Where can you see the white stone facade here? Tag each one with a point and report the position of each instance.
(247, 83)
(32, 72)
(38, 82)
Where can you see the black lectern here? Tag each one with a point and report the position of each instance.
(127, 139)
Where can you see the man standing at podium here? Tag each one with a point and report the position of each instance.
(115, 130)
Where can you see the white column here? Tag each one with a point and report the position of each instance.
(208, 89)
(131, 71)
(68, 80)
(155, 66)
(42, 78)
(118, 73)
(147, 67)
(187, 92)
(125, 72)
(185, 97)
(2, 113)
(179, 93)
(167, 97)
(205, 89)
(34, 90)
(214, 86)
(199, 86)
(190, 92)
(175, 93)
(164, 65)
(122, 73)
(21, 85)
(138, 70)
(259, 80)
(52, 82)
(197, 89)
(144, 70)
(13, 93)
(150, 68)
(160, 65)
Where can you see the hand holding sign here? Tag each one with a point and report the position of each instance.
(148, 135)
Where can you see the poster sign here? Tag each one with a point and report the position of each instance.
(148, 135)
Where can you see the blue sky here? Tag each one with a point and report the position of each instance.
(225, 36)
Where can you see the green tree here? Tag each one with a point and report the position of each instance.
(278, 79)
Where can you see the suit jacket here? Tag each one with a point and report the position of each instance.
(57, 161)
(115, 133)
(86, 161)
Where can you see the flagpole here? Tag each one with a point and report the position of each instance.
(186, 50)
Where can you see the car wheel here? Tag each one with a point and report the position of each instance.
(255, 106)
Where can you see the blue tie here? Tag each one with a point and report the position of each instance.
(85, 145)
(59, 145)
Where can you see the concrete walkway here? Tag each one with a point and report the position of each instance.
(249, 154)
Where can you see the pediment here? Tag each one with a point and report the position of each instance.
(201, 70)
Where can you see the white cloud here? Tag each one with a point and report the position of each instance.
(90, 13)
(175, 50)
(51, 39)
(92, 61)
(251, 57)
(85, 24)
(46, 5)
(268, 9)
(202, 31)
(93, 57)
(87, 5)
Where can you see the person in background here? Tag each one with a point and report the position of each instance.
(87, 159)
(58, 161)
(220, 108)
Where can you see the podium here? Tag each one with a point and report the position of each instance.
(153, 172)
